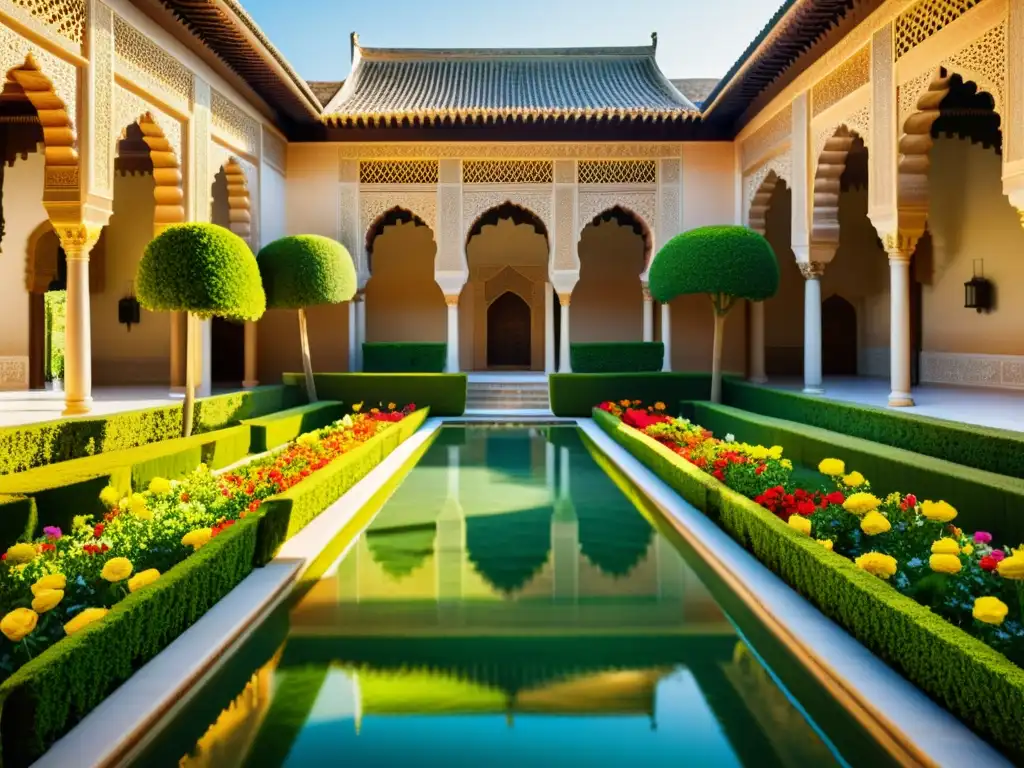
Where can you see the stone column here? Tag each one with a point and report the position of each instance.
(564, 366)
(899, 326)
(452, 364)
(250, 356)
(812, 272)
(757, 369)
(549, 328)
(666, 336)
(360, 301)
(648, 314)
(77, 240)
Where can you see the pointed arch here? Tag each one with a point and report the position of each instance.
(831, 166)
(167, 192)
(517, 211)
(625, 216)
(760, 201)
(239, 202)
(390, 216)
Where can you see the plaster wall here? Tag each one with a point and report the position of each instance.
(709, 184)
(607, 303)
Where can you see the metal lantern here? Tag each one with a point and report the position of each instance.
(128, 311)
(978, 292)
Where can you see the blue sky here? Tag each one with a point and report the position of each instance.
(696, 38)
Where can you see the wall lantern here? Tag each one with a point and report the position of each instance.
(128, 311)
(978, 291)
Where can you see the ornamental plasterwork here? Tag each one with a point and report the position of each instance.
(859, 122)
(62, 21)
(450, 254)
(149, 65)
(924, 18)
(780, 164)
(514, 151)
(204, 150)
(671, 171)
(275, 151)
(128, 108)
(102, 57)
(643, 205)
(618, 171)
(670, 217)
(13, 51)
(973, 370)
(566, 255)
(774, 132)
(14, 372)
(398, 172)
(234, 125)
(349, 234)
(842, 81)
(477, 202)
(507, 172)
(372, 205)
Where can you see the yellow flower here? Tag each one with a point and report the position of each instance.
(990, 610)
(138, 507)
(832, 467)
(47, 599)
(775, 452)
(1013, 567)
(625, 403)
(117, 569)
(853, 480)
(50, 581)
(944, 563)
(757, 452)
(894, 498)
(18, 623)
(861, 503)
(801, 524)
(84, 619)
(109, 497)
(968, 549)
(196, 538)
(159, 486)
(878, 564)
(20, 554)
(659, 406)
(937, 511)
(875, 523)
(375, 410)
(391, 406)
(946, 546)
(143, 579)
(827, 544)
(78, 522)
(357, 407)
(786, 463)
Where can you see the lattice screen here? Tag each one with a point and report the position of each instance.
(398, 172)
(66, 17)
(617, 172)
(507, 172)
(923, 19)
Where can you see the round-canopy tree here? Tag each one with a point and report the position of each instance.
(726, 262)
(302, 271)
(202, 270)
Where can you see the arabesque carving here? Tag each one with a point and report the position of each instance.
(643, 205)
(510, 150)
(150, 65)
(774, 132)
(924, 18)
(842, 81)
(475, 203)
(618, 171)
(398, 172)
(507, 172)
(54, 18)
(241, 130)
(373, 205)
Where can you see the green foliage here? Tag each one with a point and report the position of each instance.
(288, 513)
(276, 429)
(444, 393)
(986, 501)
(617, 356)
(404, 357)
(575, 394)
(975, 682)
(55, 303)
(18, 518)
(993, 450)
(305, 270)
(50, 442)
(204, 269)
(51, 693)
(718, 260)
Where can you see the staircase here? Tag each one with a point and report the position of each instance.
(496, 394)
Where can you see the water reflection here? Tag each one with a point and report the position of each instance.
(508, 605)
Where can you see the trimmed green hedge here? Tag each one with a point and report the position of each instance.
(975, 682)
(38, 445)
(617, 356)
(71, 488)
(276, 429)
(288, 513)
(404, 357)
(986, 501)
(575, 394)
(18, 519)
(993, 450)
(443, 393)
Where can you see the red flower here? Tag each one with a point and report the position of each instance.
(98, 530)
(255, 505)
(46, 547)
(836, 497)
(910, 500)
(988, 563)
(760, 469)
(805, 508)
(184, 497)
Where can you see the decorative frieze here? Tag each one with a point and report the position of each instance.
(507, 172)
(398, 172)
(643, 205)
(63, 20)
(234, 125)
(923, 19)
(617, 171)
(510, 150)
(275, 151)
(774, 132)
(884, 130)
(1005, 371)
(149, 65)
(101, 30)
(842, 81)
(14, 372)
(475, 203)
(372, 205)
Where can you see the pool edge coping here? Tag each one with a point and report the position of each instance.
(115, 729)
(886, 703)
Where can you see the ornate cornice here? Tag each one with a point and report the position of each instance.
(509, 150)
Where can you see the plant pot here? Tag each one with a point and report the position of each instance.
(58, 385)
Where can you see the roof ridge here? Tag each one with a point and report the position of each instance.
(484, 53)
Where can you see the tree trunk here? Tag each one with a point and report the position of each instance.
(716, 358)
(307, 364)
(188, 410)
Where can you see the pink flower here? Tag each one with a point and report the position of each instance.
(52, 532)
(997, 555)
(982, 537)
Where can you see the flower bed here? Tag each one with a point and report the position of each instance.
(861, 559)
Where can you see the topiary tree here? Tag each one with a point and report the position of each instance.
(302, 271)
(726, 262)
(205, 271)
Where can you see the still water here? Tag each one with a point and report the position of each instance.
(509, 605)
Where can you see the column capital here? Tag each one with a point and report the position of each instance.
(646, 292)
(451, 301)
(359, 296)
(812, 270)
(564, 298)
(900, 245)
(77, 239)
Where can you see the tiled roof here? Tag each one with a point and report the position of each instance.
(325, 90)
(696, 89)
(388, 86)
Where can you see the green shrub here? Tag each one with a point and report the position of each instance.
(993, 450)
(276, 429)
(444, 393)
(55, 303)
(301, 271)
(18, 519)
(38, 445)
(617, 356)
(975, 682)
(404, 357)
(986, 501)
(575, 394)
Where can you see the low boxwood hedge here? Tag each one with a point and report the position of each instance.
(575, 394)
(443, 393)
(404, 356)
(993, 450)
(986, 501)
(616, 356)
(972, 680)
(18, 519)
(38, 445)
(276, 429)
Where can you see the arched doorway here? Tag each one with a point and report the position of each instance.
(838, 337)
(227, 337)
(508, 332)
